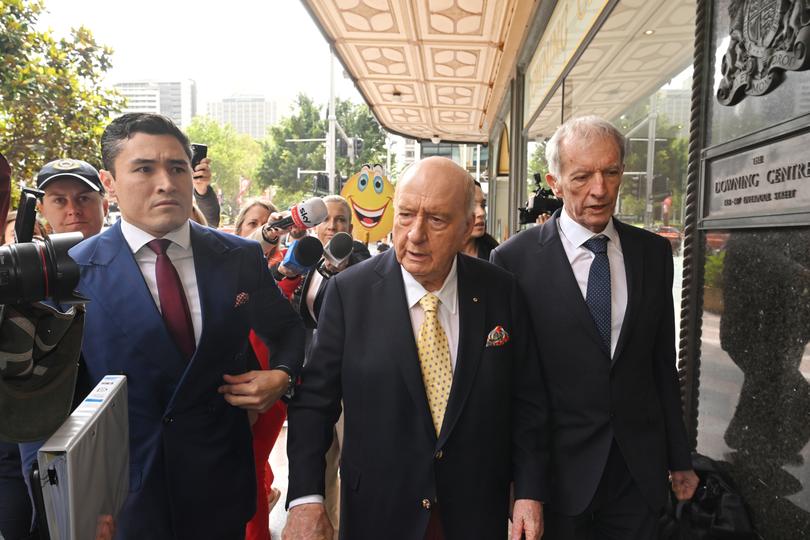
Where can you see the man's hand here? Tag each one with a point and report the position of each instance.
(105, 527)
(684, 484)
(255, 390)
(307, 522)
(527, 520)
(201, 176)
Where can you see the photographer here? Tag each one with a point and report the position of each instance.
(541, 206)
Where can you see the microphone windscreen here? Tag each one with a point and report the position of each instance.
(309, 213)
(308, 251)
(340, 246)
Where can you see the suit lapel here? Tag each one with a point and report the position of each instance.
(471, 300)
(560, 277)
(633, 267)
(122, 284)
(392, 313)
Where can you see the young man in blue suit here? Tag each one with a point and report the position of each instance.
(600, 303)
(171, 305)
(427, 350)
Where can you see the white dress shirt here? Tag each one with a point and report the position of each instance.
(182, 258)
(448, 319)
(447, 311)
(573, 235)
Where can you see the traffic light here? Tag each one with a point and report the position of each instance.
(321, 183)
(342, 147)
(358, 146)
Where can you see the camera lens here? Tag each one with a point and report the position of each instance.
(33, 271)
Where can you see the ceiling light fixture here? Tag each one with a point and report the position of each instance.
(649, 32)
(396, 95)
(435, 139)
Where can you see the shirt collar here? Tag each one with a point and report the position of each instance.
(578, 235)
(137, 238)
(448, 294)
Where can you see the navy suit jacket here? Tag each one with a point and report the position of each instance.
(393, 465)
(191, 462)
(592, 399)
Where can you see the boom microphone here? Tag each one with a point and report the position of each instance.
(338, 249)
(304, 215)
(303, 254)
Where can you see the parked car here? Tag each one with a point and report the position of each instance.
(673, 234)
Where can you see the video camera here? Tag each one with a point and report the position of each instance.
(32, 269)
(542, 202)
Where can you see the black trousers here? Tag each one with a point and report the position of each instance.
(618, 510)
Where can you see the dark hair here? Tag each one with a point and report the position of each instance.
(124, 127)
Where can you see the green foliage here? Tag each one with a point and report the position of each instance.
(280, 160)
(233, 156)
(713, 270)
(357, 121)
(52, 103)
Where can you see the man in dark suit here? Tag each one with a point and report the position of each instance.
(600, 300)
(402, 338)
(171, 305)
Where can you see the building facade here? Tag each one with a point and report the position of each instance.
(249, 115)
(175, 99)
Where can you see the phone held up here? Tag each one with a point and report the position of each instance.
(198, 152)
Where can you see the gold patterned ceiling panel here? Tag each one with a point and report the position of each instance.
(427, 68)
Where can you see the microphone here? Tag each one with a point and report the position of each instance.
(303, 255)
(304, 215)
(338, 249)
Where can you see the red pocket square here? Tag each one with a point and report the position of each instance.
(497, 337)
(241, 299)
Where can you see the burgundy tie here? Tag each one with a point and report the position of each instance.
(173, 304)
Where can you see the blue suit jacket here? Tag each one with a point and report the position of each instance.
(191, 463)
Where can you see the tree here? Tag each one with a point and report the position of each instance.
(233, 156)
(52, 103)
(357, 121)
(281, 160)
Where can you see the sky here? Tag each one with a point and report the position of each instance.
(259, 47)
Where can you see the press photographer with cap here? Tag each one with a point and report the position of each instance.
(74, 197)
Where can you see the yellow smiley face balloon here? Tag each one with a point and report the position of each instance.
(371, 197)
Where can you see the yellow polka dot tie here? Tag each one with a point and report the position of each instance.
(434, 359)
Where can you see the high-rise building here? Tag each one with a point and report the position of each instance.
(250, 115)
(175, 99)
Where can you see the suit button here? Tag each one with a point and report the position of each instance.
(439, 455)
(612, 415)
(426, 504)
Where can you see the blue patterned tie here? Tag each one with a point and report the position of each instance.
(598, 295)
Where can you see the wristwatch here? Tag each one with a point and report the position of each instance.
(290, 382)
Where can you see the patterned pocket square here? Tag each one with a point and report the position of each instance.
(497, 337)
(241, 299)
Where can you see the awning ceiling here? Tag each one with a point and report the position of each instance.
(427, 68)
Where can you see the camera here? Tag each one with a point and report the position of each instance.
(33, 269)
(542, 202)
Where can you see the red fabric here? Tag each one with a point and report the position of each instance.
(173, 304)
(265, 432)
(434, 529)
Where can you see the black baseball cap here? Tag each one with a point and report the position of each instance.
(70, 168)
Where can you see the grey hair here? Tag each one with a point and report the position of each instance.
(341, 200)
(587, 127)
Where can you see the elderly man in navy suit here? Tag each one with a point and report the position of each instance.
(600, 302)
(171, 305)
(428, 352)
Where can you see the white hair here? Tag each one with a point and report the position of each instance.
(587, 127)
